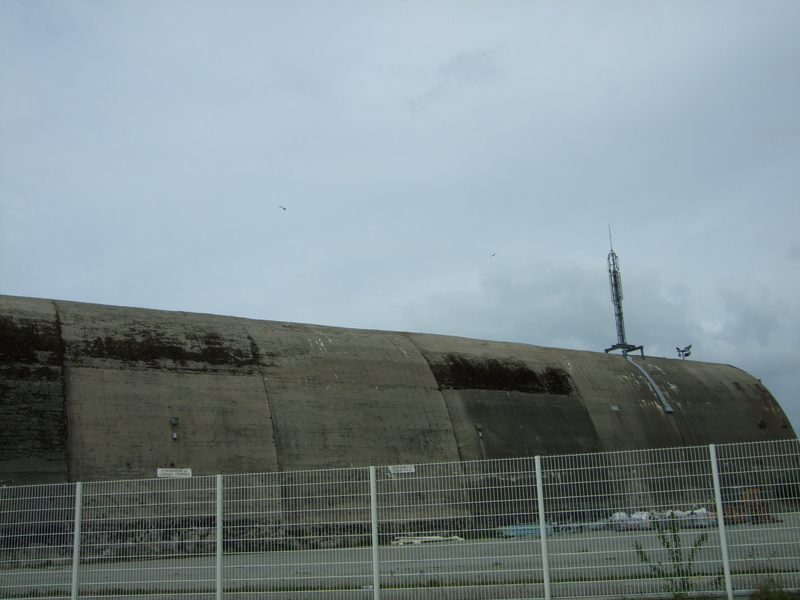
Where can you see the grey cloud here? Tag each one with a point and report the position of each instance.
(298, 76)
(464, 68)
(472, 66)
(751, 314)
(545, 302)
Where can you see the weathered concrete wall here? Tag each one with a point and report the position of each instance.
(33, 422)
(87, 393)
(340, 397)
(128, 375)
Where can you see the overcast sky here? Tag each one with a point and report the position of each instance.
(445, 167)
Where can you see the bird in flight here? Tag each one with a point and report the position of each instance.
(283, 207)
(491, 255)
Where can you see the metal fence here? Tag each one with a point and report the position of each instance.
(710, 520)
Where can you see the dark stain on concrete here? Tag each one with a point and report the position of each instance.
(29, 342)
(154, 348)
(460, 372)
(33, 423)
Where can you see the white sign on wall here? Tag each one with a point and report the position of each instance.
(174, 473)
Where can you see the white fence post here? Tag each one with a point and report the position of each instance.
(76, 539)
(542, 527)
(373, 507)
(219, 537)
(723, 539)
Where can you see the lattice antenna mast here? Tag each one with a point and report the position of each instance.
(615, 279)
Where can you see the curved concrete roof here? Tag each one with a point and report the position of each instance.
(88, 392)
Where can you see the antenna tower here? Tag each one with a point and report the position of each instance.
(616, 298)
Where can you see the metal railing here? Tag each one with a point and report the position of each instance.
(709, 520)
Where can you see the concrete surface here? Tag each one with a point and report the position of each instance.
(87, 393)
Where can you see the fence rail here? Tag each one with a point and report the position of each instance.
(707, 520)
